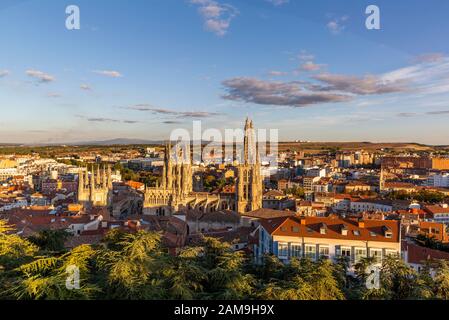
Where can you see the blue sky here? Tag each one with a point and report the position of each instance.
(141, 68)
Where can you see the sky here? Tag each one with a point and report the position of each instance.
(140, 69)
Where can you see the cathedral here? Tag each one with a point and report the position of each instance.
(95, 190)
(176, 193)
(249, 182)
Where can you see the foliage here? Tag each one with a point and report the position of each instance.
(137, 266)
(296, 191)
(420, 196)
(50, 240)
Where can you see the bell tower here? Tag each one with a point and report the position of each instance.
(249, 182)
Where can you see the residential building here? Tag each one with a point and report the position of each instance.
(331, 237)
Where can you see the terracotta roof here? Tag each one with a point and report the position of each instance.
(399, 185)
(435, 209)
(216, 216)
(267, 214)
(417, 254)
(274, 193)
(373, 230)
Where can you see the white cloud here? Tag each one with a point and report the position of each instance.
(4, 73)
(422, 79)
(305, 56)
(109, 73)
(337, 25)
(85, 87)
(311, 66)
(278, 2)
(431, 76)
(276, 73)
(40, 76)
(217, 17)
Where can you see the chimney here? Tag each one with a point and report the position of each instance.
(361, 224)
(323, 228)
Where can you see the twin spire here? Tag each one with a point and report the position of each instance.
(99, 179)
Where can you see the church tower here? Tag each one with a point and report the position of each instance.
(96, 190)
(176, 184)
(249, 182)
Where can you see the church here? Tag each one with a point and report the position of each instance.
(95, 190)
(175, 193)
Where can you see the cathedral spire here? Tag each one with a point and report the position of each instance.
(98, 182)
(109, 173)
(103, 178)
(80, 182)
(92, 178)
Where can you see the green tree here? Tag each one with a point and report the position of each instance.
(441, 281)
(51, 240)
(46, 277)
(132, 269)
(226, 277)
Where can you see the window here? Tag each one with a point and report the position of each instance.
(346, 252)
(296, 250)
(310, 252)
(295, 229)
(283, 250)
(391, 253)
(324, 252)
(360, 253)
(376, 254)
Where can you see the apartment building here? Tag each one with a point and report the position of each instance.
(328, 237)
(438, 213)
(440, 180)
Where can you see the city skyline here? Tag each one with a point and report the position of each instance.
(313, 71)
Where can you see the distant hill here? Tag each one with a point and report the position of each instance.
(348, 146)
(113, 142)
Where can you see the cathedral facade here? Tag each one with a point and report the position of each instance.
(95, 190)
(175, 193)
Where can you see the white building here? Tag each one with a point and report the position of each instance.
(316, 237)
(438, 180)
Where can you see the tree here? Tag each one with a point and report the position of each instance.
(226, 278)
(296, 191)
(184, 278)
(51, 240)
(46, 277)
(441, 281)
(14, 250)
(398, 281)
(302, 280)
(132, 269)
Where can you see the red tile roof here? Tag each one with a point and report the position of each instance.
(417, 254)
(373, 230)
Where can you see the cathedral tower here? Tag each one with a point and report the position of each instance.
(249, 182)
(95, 190)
